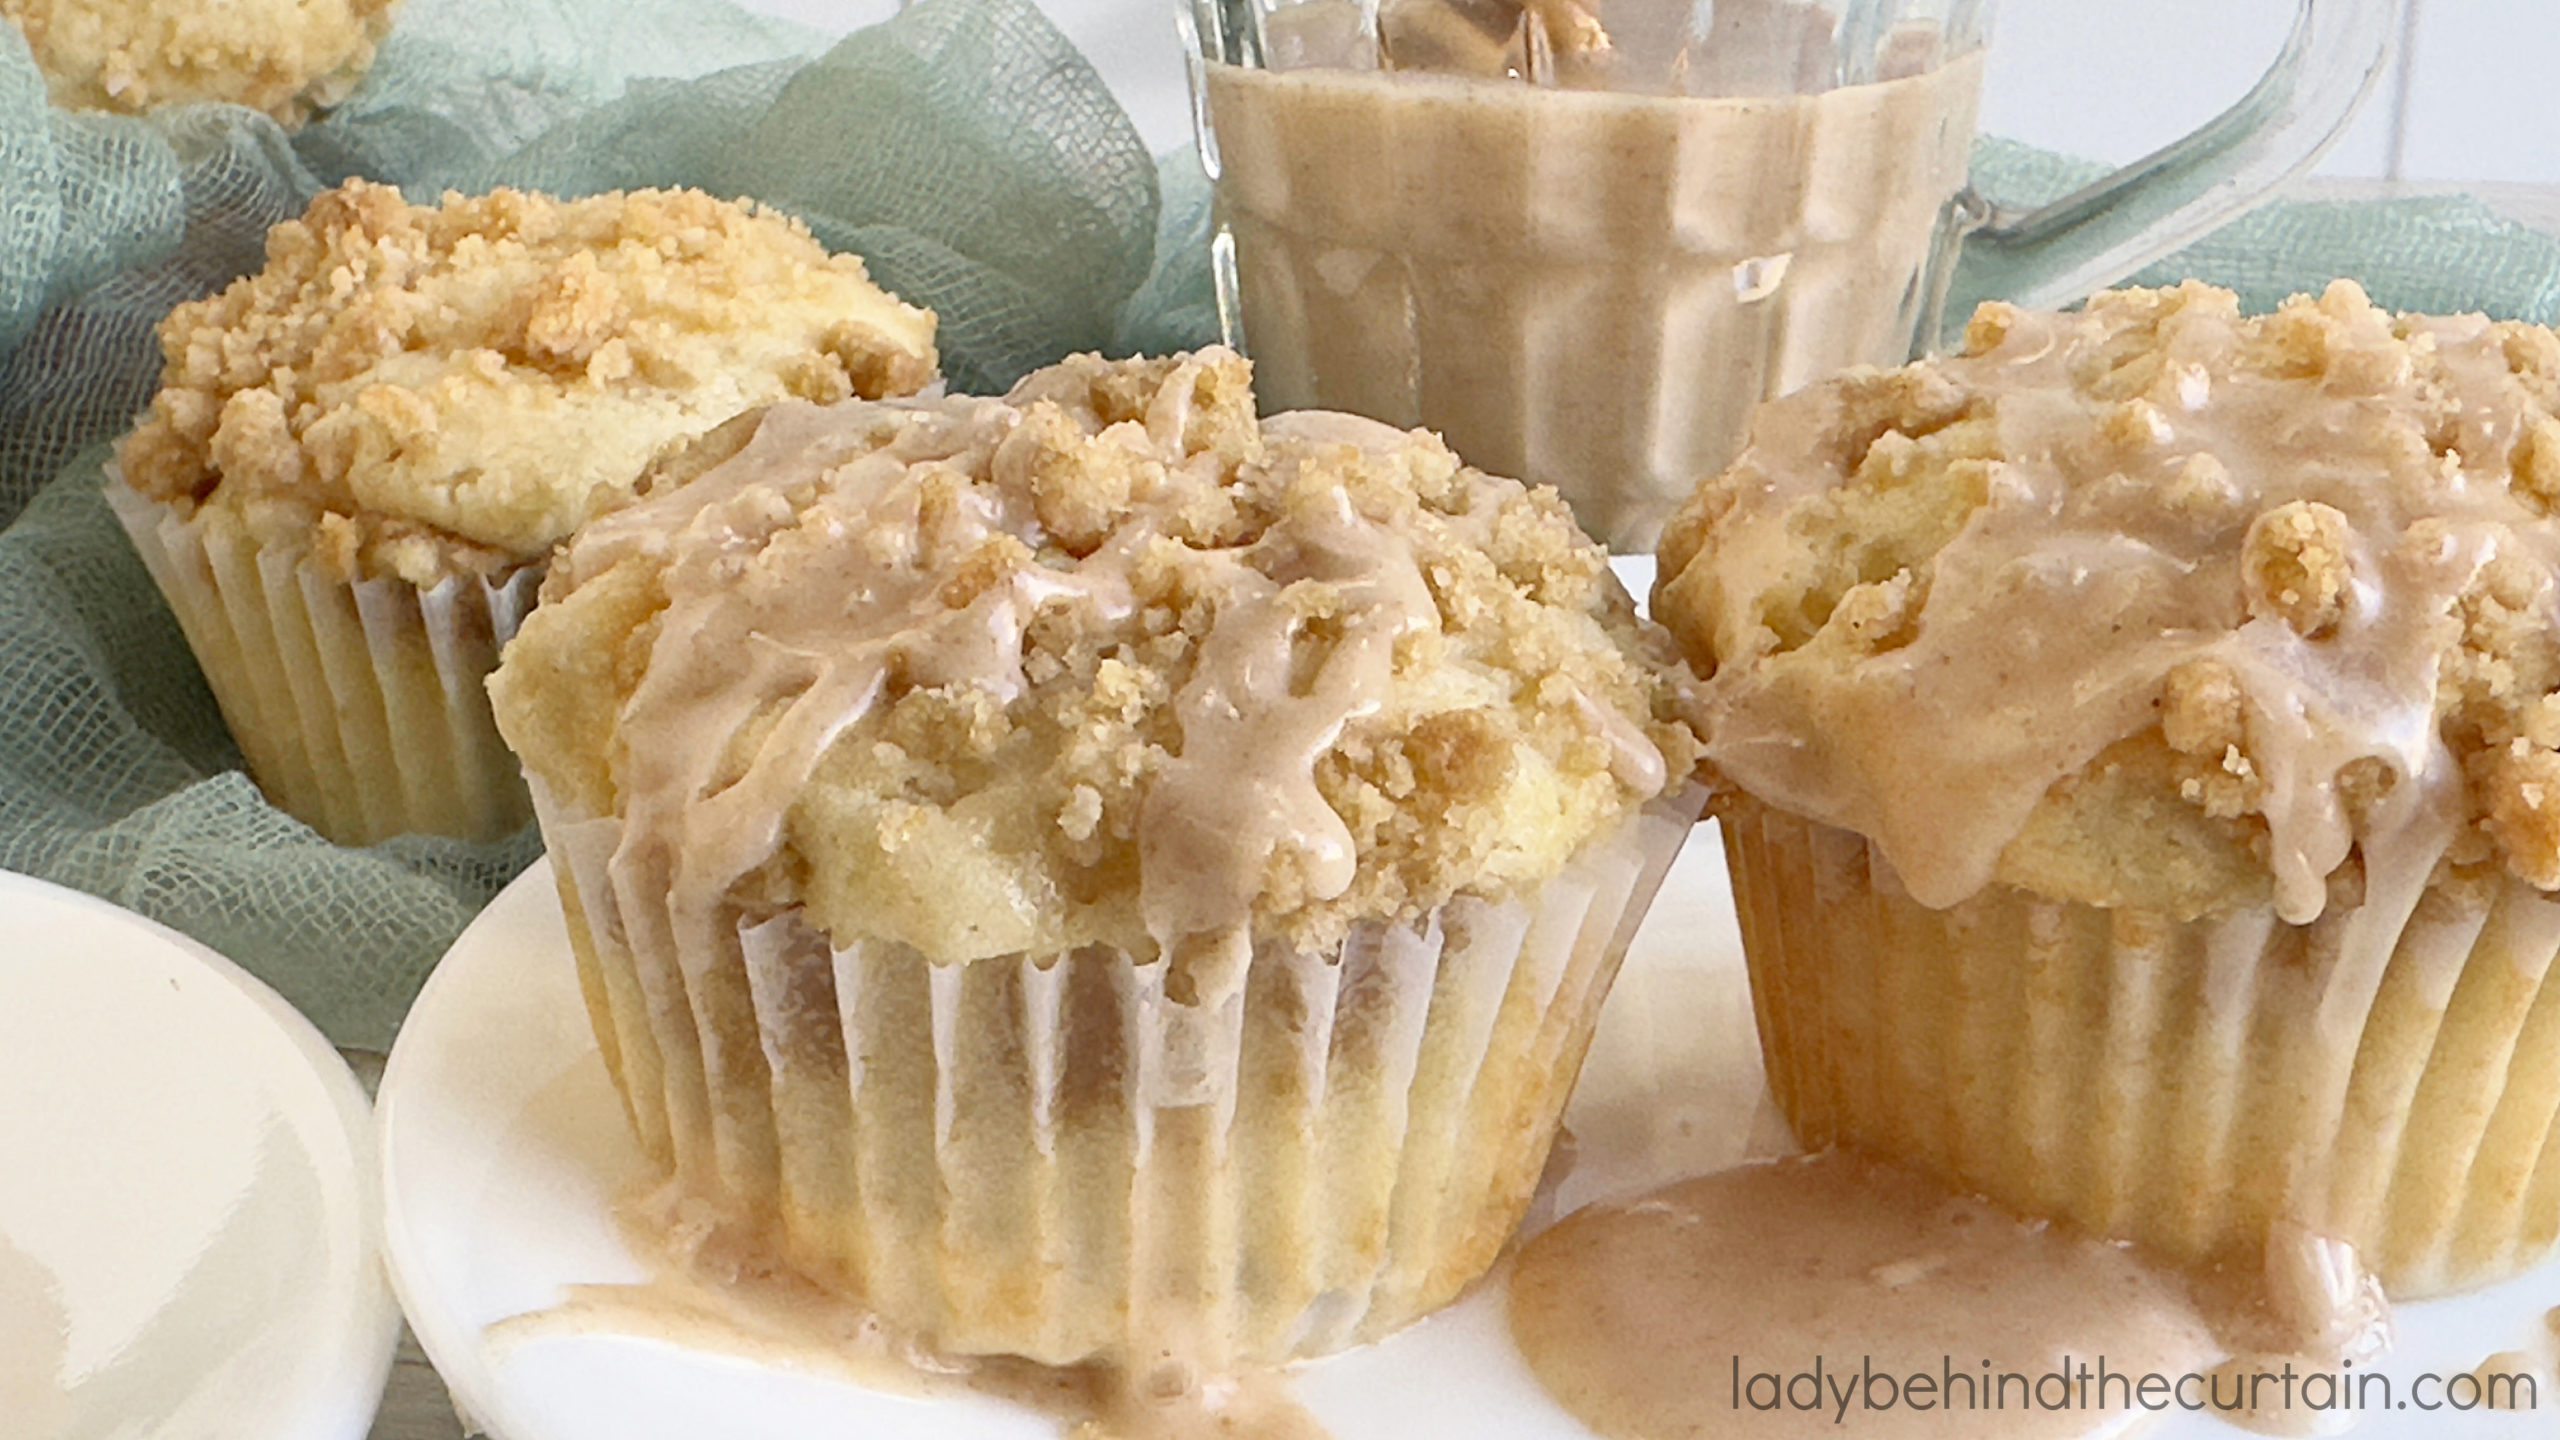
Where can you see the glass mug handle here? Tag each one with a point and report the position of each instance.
(2059, 253)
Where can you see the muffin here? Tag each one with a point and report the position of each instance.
(1092, 875)
(361, 456)
(2146, 810)
(285, 57)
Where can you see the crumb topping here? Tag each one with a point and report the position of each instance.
(2295, 567)
(2153, 604)
(423, 391)
(285, 57)
(1106, 661)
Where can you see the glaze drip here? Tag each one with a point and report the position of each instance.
(1938, 599)
(1107, 660)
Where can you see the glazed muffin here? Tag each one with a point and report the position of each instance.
(1093, 875)
(361, 456)
(285, 57)
(2147, 806)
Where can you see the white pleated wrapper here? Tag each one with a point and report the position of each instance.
(2387, 1076)
(360, 706)
(1053, 1157)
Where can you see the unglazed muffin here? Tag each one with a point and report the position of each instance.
(1093, 875)
(360, 456)
(2143, 726)
(285, 57)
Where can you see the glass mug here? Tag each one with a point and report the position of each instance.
(1583, 239)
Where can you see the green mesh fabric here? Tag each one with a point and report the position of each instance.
(2441, 254)
(964, 148)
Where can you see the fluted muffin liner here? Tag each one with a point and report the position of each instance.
(2388, 1075)
(1066, 1157)
(360, 706)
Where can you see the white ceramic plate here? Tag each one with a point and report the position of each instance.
(187, 1193)
(504, 1149)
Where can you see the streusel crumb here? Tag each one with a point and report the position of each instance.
(422, 391)
(2295, 564)
(285, 57)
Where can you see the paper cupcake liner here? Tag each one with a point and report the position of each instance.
(1051, 1156)
(2388, 1075)
(359, 706)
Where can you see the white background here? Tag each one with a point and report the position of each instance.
(2478, 97)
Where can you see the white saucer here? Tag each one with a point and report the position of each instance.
(504, 1149)
(187, 1193)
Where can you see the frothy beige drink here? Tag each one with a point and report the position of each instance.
(1584, 288)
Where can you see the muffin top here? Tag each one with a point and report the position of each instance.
(1106, 661)
(420, 392)
(285, 57)
(2151, 605)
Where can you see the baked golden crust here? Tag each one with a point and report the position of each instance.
(2233, 601)
(421, 391)
(285, 57)
(1009, 809)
